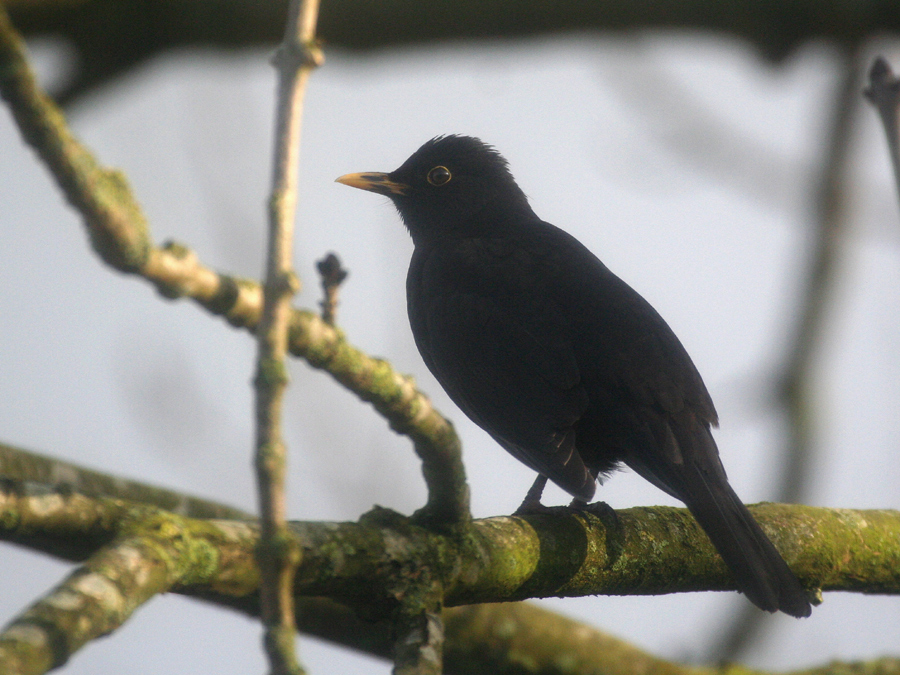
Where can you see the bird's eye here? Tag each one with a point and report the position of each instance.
(439, 175)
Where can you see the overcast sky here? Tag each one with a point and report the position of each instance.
(687, 164)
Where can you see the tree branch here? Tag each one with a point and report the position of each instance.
(524, 639)
(884, 93)
(277, 555)
(644, 551)
(121, 236)
(795, 389)
(371, 565)
(21, 465)
(142, 551)
(418, 638)
(112, 36)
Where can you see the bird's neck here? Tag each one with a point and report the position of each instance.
(493, 220)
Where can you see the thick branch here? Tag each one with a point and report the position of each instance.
(643, 551)
(369, 564)
(152, 552)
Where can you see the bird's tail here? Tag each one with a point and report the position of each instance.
(694, 474)
(759, 570)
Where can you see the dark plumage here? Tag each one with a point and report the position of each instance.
(558, 359)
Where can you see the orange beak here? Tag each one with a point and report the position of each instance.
(373, 182)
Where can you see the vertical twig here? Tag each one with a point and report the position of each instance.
(333, 276)
(278, 554)
(884, 93)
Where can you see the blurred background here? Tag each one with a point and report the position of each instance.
(712, 170)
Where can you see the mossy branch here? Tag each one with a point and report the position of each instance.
(21, 465)
(371, 565)
(524, 639)
(638, 551)
(141, 551)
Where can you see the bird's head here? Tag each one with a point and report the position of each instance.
(451, 186)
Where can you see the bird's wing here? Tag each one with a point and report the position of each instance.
(505, 359)
(625, 348)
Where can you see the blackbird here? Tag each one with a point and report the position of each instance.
(559, 360)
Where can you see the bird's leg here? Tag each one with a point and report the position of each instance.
(532, 501)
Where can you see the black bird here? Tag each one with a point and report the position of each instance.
(559, 360)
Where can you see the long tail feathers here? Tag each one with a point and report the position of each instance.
(693, 473)
(759, 570)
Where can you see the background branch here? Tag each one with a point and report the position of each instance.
(112, 36)
(795, 389)
(524, 639)
(884, 93)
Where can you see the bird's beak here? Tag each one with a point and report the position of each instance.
(373, 182)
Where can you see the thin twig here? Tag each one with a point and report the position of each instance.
(278, 553)
(333, 276)
(884, 93)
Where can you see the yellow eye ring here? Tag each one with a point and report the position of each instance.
(439, 175)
